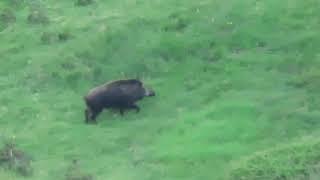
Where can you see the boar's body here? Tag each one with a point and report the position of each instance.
(121, 94)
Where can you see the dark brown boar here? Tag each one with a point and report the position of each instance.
(120, 94)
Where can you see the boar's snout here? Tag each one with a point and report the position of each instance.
(149, 92)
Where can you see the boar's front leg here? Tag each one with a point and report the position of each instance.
(86, 114)
(94, 114)
(91, 114)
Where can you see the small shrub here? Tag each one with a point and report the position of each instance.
(309, 78)
(176, 22)
(74, 172)
(7, 17)
(15, 3)
(84, 2)
(37, 17)
(51, 37)
(64, 36)
(48, 37)
(14, 159)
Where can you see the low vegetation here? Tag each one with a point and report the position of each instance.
(74, 172)
(12, 158)
(293, 161)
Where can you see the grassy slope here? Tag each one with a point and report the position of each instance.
(232, 78)
(294, 161)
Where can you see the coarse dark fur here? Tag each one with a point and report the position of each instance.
(120, 94)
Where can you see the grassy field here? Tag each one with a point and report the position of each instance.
(237, 86)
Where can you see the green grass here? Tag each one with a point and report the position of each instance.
(289, 161)
(233, 78)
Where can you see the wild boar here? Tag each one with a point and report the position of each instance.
(119, 94)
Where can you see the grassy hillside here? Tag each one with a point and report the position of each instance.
(233, 78)
(295, 161)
